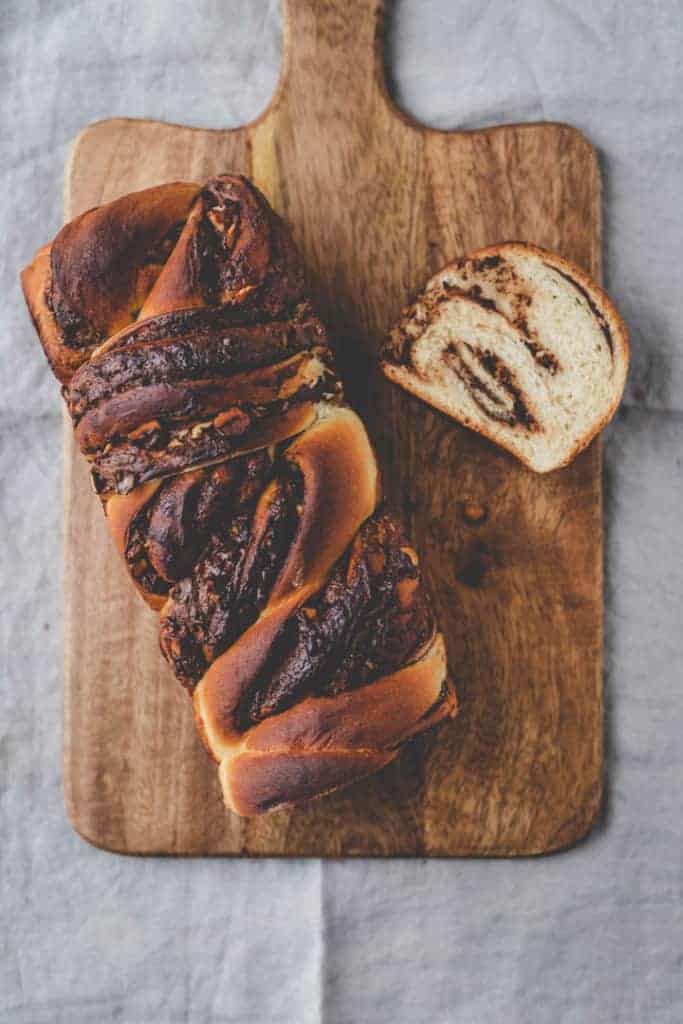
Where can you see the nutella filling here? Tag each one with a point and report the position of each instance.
(168, 535)
(369, 619)
(189, 355)
(232, 581)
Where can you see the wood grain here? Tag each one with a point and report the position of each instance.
(377, 204)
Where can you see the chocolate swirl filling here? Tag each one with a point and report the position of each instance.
(167, 536)
(370, 618)
(497, 395)
(186, 352)
(232, 581)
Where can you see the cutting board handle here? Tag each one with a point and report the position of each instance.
(336, 41)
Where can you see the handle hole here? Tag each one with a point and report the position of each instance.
(462, 65)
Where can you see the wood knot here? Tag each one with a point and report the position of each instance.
(475, 565)
(473, 512)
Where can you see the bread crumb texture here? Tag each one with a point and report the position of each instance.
(519, 345)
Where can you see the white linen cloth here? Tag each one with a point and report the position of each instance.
(591, 936)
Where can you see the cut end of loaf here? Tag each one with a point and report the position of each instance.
(519, 345)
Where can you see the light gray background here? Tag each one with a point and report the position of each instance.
(592, 935)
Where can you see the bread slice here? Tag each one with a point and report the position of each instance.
(518, 344)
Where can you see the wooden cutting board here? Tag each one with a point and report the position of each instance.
(377, 203)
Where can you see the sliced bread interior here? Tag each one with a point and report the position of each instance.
(518, 344)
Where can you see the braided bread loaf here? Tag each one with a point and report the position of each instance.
(242, 494)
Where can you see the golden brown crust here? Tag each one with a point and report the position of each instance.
(323, 743)
(120, 510)
(105, 262)
(233, 251)
(218, 695)
(256, 783)
(93, 278)
(341, 489)
(381, 715)
(35, 282)
(241, 494)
